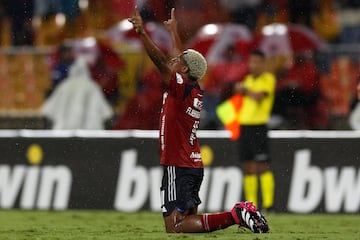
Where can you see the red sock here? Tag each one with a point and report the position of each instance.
(216, 221)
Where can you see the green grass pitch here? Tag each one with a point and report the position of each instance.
(48, 225)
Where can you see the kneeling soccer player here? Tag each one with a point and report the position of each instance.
(178, 145)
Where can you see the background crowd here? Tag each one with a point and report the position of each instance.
(312, 47)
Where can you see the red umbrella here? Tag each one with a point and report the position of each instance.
(281, 39)
(124, 32)
(212, 39)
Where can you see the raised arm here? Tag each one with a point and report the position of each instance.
(171, 26)
(155, 54)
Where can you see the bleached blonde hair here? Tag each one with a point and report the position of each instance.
(196, 63)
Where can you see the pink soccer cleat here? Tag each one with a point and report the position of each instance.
(246, 215)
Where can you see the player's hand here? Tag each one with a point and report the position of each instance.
(171, 24)
(137, 21)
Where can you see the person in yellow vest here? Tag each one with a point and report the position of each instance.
(258, 90)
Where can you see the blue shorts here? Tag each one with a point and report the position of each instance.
(180, 188)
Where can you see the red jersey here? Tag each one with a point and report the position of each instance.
(179, 121)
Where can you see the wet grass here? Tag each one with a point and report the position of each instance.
(41, 225)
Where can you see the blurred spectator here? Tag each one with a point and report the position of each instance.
(54, 20)
(20, 13)
(62, 65)
(300, 11)
(218, 83)
(191, 15)
(214, 12)
(349, 3)
(122, 9)
(354, 118)
(243, 12)
(273, 11)
(257, 90)
(143, 109)
(325, 21)
(105, 71)
(154, 10)
(338, 88)
(107, 78)
(78, 102)
(3, 27)
(298, 94)
(104, 63)
(47, 8)
(349, 15)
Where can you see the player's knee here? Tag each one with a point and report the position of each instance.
(250, 167)
(264, 167)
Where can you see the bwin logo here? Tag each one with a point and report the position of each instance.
(45, 187)
(338, 187)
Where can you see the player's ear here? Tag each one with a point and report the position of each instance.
(185, 69)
